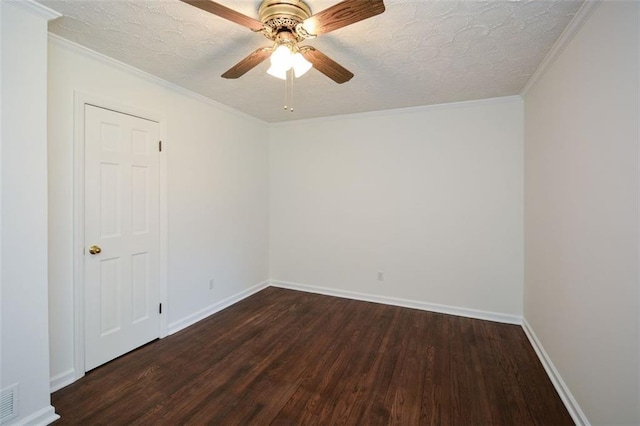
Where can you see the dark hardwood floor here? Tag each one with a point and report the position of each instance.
(290, 358)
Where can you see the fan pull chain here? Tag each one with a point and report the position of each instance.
(288, 91)
(291, 91)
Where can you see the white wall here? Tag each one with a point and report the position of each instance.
(217, 190)
(581, 214)
(24, 338)
(431, 197)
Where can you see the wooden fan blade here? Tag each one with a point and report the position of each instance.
(226, 13)
(326, 65)
(248, 63)
(342, 14)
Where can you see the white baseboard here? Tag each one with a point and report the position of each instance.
(569, 401)
(61, 380)
(46, 416)
(210, 310)
(424, 306)
(68, 377)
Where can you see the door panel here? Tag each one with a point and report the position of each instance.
(122, 290)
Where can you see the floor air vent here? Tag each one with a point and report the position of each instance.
(8, 403)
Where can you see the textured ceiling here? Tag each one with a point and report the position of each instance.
(417, 52)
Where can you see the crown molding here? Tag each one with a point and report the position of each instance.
(87, 52)
(37, 8)
(406, 110)
(563, 41)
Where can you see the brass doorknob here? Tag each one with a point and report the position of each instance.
(94, 249)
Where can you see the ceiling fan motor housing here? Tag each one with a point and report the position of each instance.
(283, 15)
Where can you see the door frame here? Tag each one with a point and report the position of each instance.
(80, 100)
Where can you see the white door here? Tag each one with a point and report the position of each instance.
(122, 289)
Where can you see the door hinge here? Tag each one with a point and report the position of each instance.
(160, 309)
(160, 146)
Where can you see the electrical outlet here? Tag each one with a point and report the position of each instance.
(380, 276)
(211, 284)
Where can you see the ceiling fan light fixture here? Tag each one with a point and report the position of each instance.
(280, 73)
(281, 62)
(283, 59)
(300, 64)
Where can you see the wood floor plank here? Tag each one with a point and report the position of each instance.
(284, 357)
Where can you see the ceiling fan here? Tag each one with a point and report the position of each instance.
(287, 23)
